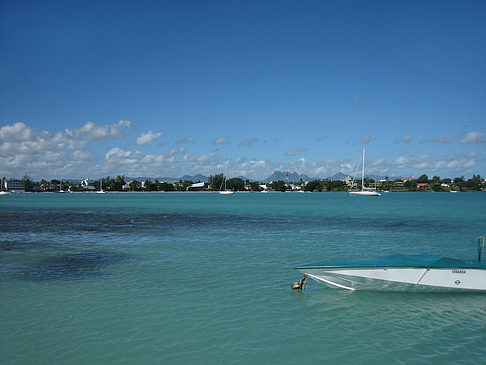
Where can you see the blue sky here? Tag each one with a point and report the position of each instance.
(167, 88)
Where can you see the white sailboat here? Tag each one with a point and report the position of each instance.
(61, 190)
(101, 191)
(4, 192)
(225, 191)
(364, 191)
(399, 272)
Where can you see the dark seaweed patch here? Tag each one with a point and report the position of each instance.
(71, 266)
(135, 223)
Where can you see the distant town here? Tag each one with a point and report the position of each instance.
(279, 181)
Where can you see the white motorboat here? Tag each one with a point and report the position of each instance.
(364, 191)
(399, 272)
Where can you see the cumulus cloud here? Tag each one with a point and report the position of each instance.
(424, 162)
(443, 139)
(295, 151)
(474, 138)
(15, 133)
(119, 156)
(367, 138)
(148, 137)
(54, 153)
(401, 161)
(91, 131)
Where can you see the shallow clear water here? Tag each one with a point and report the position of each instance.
(205, 278)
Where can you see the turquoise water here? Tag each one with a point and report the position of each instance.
(204, 278)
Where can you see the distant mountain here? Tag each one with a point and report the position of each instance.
(197, 177)
(337, 176)
(279, 175)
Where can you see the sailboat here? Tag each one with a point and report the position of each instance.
(364, 191)
(101, 191)
(60, 188)
(225, 191)
(3, 192)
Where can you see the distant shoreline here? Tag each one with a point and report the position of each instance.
(216, 192)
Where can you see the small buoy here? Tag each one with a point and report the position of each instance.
(300, 285)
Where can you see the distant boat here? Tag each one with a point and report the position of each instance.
(225, 191)
(399, 272)
(60, 188)
(3, 192)
(364, 191)
(101, 191)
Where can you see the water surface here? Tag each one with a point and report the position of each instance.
(203, 278)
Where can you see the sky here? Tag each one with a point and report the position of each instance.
(172, 88)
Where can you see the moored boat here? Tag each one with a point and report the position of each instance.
(399, 272)
(365, 191)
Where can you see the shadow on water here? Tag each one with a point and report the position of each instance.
(71, 266)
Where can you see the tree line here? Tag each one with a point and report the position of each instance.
(217, 182)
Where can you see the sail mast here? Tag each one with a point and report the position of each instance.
(362, 172)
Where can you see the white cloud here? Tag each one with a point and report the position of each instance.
(15, 133)
(206, 158)
(222, 140)
(148, 137)
(378, 162)
(407, 139)
(470, 163)
(91, 131)
(401, 162)
(474, 138)
(51, 153)
(145, 162)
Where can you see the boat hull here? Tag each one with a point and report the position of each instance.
(364, 193)
(226, 192)
(400, 279)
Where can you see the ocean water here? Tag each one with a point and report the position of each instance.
(201, 278)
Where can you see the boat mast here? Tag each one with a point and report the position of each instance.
(362, 172)
(481, 244)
